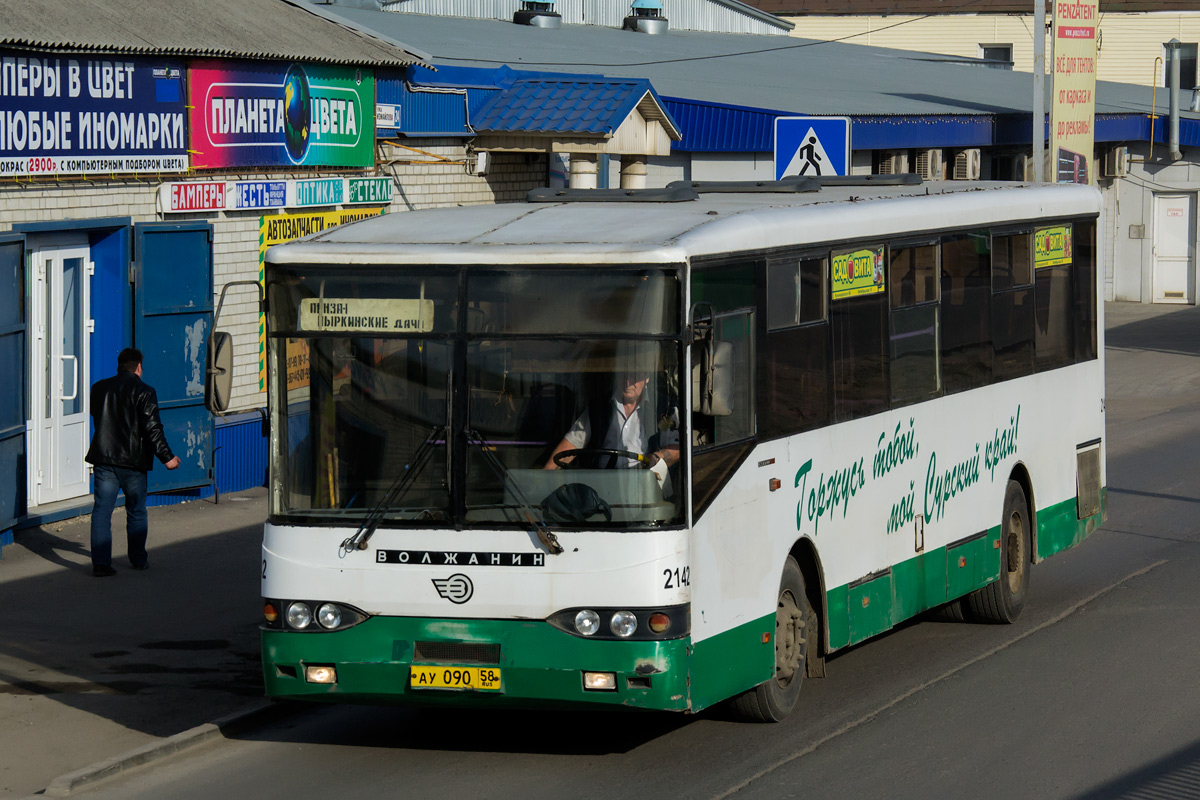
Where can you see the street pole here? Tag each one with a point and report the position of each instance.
(1039, 89)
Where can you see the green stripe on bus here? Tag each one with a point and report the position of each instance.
(539, 664)
(863, 609)
(1059, 528)
(733, 661)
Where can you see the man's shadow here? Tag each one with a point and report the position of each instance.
(50, 547)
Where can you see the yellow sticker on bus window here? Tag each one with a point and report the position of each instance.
(1052, 246)
(858, 272)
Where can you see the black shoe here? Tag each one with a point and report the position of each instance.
(141, 567)
(103, 571)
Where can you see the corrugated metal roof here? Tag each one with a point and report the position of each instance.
(726, 16)
(586, 105)
(251, 29)
(793, 76)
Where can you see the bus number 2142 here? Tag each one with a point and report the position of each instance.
(677, 579)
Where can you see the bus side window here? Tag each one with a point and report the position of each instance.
(730, 291)
(1012, 305)
(1083, 274)
(965, 311)
(1053, 307)
(858, 312)
(737, 329)
(913, 325)
(794, 368)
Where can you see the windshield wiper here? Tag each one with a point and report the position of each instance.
(399, 486)
(544, 535)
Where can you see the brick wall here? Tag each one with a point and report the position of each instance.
(439, 173)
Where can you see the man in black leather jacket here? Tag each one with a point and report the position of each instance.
(128, 435)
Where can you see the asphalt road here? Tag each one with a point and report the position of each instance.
(1094, 693)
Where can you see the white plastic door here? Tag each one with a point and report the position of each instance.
(1174, 232)
(60, 375)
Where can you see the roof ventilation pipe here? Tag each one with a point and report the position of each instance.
(633, 171)
(646, 16)
(1173, 56)
(538, 13)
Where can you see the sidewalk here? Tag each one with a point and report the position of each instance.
(92, 668)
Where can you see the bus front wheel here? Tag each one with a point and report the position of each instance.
(1001, 600)
(795, 626)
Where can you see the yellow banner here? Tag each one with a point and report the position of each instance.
(280, 228)
(1052, 246)
(1073, 113)
(858, 272)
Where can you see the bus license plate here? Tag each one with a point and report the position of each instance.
(485, 679)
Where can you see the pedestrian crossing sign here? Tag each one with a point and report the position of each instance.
(814, 146)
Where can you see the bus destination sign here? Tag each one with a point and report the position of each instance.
(378, 315)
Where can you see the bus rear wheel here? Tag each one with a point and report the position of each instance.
(795, 626)
(1001, 600)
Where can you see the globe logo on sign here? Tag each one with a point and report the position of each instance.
(297, 112)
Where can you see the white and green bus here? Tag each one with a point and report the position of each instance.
(857, 399)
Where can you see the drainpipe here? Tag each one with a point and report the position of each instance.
(1173, 143)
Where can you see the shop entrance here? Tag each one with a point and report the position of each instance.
(60, 372)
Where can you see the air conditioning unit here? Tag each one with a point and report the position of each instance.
(1116, 163)
(930, 164)
(893, 162)
(966, 165)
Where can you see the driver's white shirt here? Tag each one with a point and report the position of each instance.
(626, 432)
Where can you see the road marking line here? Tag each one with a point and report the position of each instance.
(849, 726)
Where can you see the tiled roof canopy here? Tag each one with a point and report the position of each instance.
(603, 115)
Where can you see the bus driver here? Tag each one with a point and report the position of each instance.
(629, 424)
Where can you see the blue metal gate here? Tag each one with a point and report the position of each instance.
(12, 386)
(173, 292)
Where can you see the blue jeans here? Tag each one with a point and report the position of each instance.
(108, 481)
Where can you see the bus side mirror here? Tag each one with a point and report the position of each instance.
(712, 378)
(218, 385)
(712, 366)
(218, 378)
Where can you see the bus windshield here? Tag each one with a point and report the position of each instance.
(439, 398)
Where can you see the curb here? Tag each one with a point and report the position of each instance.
(266, 711)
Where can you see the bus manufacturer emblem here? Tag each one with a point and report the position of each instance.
(457, 588)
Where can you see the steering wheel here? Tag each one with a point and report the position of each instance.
(561, 462)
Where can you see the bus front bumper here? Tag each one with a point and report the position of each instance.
(539, 664)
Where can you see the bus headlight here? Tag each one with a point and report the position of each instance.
(614, 623)
(587, 622)
(329, 615)
(311, 615)
(623, 624)
(299, 615)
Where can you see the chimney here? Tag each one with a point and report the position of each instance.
(646, 16)
(538, 13)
